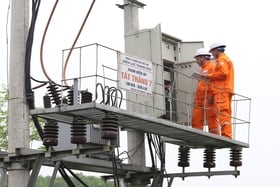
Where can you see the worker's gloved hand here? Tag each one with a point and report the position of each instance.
(204, 76)
(211, 100)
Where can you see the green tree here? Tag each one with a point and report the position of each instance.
(3, 117)
(91, 181)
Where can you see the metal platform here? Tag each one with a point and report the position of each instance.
(173, 132)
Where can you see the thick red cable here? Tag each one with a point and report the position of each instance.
(73, 45)
(43, 41)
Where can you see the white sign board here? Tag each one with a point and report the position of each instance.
(135, 74)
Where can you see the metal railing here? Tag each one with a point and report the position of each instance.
(95, 69)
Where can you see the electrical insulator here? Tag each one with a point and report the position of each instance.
(109, 128)
(235, 156)
(50, 136)
(209, 158)
(64, 101)
(54, 93)
(184, 156)
(78, 131)
(47, 101)
(70, 97)
(86, 97)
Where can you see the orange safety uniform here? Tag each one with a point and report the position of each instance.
(223, 79)
(202, 109)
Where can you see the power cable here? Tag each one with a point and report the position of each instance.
(109, 95)
(74, 175)
(157, 143)
(151, 150)
(115, 169)
(43, 41)
(75, 41)
(29, 92)
(28, 52)
(65, 176)
(29, 44)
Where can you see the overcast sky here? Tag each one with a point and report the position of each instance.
(249, 28)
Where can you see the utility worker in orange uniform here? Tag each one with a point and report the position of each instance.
(203, 102)
(223, 80)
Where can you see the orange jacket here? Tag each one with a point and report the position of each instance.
(223, 76)
(207, 67)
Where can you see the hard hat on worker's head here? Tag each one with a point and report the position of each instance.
(217, 45)
(202, 52)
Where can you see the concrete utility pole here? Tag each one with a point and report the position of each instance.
(131, 20)
(18, 113)
(135, 140)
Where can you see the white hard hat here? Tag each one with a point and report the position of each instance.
(217, 45)
(202, 52)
